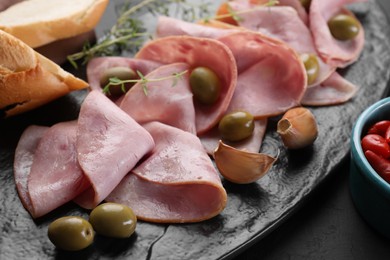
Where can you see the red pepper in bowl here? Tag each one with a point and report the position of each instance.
(379, 128)
(380, 164)
(376, 147)
(377, 144)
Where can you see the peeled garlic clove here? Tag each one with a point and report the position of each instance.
(239, 166)
(297, 128)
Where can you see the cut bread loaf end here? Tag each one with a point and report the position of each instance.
(28, 79)
(39, 22)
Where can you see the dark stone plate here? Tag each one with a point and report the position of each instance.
(253, 210)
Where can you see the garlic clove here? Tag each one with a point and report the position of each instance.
(240, 166)
(297, 128)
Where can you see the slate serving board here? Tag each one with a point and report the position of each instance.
(252, 210)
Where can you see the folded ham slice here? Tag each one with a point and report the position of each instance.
(169, 26)
(198, 52)
(109, 144)
(271, 76)
(55, 176)
(178, 183)
(296, 4)
(334, 52)
(169, 101)
(289, 28)
(24, 156)
(335, 90)
(329, 88)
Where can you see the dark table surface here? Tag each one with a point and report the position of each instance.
(327, 226)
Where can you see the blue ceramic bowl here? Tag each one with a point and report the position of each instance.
(370, 193)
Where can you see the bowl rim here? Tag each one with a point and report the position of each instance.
(357, 151)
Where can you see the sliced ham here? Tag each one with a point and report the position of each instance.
(329, 88)
(212, 29)
(169, 101)
(55, 176)
(334, 52)
(210, 140)
(177, 183)
(271, 78)
(198, 52)
(24, 156)
(335, 90)
(283, 23)
(296, 4)
(109, 144)
(169, 26)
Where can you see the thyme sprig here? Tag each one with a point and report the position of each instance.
(143, 80)
(103, 47)
(129, 32)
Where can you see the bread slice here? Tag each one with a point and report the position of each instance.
(39, 22)
(28, 79)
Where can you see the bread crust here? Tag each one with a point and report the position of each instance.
(38, 30)
(28, 79)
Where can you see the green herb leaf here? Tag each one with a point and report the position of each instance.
(129, 32)
(143, 80)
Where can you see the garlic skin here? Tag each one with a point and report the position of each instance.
(240, 166)
(297, 128)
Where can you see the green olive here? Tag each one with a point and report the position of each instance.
(312, 67)
(122, 73)
(205, 85)
(71, 233)
(306, 4)
(236, 126)
(343, 27)
(113, 220)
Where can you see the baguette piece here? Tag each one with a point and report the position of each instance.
(28, 79)
(39, 22)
